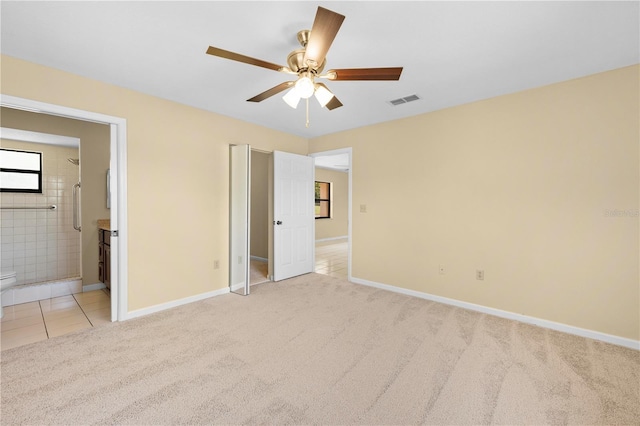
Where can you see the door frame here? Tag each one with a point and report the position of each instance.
(349, 207)
(118, 167)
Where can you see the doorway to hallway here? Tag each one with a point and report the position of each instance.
(332, 258)
(333, 242)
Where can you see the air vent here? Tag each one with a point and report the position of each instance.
(404, 100)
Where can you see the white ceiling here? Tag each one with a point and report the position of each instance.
(452, 52)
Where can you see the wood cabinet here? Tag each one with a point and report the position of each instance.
(104, 257)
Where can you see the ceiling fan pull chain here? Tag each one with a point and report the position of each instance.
(307, 112)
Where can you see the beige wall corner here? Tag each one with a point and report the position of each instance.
(539, 189)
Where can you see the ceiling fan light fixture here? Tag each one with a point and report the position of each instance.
(323, 95)
(292, 98)
(305, 87)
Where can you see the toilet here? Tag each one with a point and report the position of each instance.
(7, 280)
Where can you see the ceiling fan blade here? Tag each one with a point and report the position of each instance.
(245, 59)
(333, 103)
(392, 73)
(324, 30)
(273, 91)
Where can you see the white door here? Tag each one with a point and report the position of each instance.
(293, 215)
(239, 208)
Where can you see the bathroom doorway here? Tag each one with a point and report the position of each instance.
(56, 247)
(115, 129)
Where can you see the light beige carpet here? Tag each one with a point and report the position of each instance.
(319, 350)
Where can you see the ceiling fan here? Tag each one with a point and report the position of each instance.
(309, 62)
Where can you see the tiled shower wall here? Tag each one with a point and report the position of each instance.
(41, 245)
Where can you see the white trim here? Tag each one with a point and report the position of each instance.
(92, 287)
(333, 169)
(321, 240)
(175, 303)
(37, 137)
(237, 287)
(261, 259)
(590, 334)
(119, 283)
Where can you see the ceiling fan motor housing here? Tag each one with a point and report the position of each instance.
(295, 61)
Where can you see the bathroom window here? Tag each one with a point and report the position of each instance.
(20, 171)
(323, 200)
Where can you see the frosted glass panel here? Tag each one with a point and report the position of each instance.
(20, 160)
(20, 171)
(18, 180)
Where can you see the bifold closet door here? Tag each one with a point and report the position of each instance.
(239, 214)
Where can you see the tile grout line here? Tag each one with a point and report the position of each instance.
(44, 321)
(83, 312)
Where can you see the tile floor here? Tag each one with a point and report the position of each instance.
(331, 258)
(34, 321)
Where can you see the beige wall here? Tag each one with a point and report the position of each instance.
(259, 204)
(94, 162)
(178, 178)
(338, 225)
(519, 186)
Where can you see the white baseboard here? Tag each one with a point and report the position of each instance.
(26, 293)
(261, 259)
(321, 240)
(596, 335)
(236, 287)
(92, 287)
(174, 303)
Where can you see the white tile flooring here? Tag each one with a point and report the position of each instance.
(332, 258)
(34, 321)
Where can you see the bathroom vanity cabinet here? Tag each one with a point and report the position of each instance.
(104, 256)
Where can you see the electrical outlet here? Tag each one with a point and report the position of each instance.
(441, 269)
(216, 264)
(479, 274)
(363, 208)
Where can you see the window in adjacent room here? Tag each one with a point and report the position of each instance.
(20, 171)
(323, 200)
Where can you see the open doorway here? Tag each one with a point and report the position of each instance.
(75, 162)
(259, 217)
(115, 127)
(288, 213)
(333, 212)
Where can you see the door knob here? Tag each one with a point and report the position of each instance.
(279, 222)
